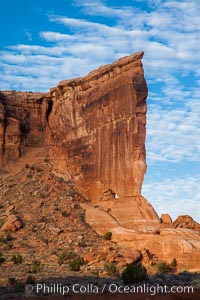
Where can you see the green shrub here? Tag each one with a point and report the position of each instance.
(17, 259)
(1, 223)
(111, 269)
(42, 195)
(71, 255)
(19, 286)
(81, 216)
(173, 263)
(74, 265)
(82, 244)
(163, 267)
(134, 273)
(29, 176)
(8, 236)
(12, 281)
(107, 236)
(62, 258)
(2, 259)
(30, 279)
(65, 214)
(36, 267)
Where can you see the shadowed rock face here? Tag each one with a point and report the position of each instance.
(22, 122)
(98, 126)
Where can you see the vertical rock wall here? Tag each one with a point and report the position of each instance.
(98, 128)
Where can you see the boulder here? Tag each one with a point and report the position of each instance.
(166, 219)
(13, 223)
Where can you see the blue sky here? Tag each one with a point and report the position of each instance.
(43, 42)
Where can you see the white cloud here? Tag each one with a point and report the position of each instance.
(175, 196)
(51, 36)
(173, 134)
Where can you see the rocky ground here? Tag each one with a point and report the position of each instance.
(43, 229)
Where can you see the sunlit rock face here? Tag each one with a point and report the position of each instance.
(98, 125)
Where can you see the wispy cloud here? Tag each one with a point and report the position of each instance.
(175, 196)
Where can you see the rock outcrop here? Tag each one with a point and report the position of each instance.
(101, 137)
(101, 120)
(13, 223)
(23, 119)
(186, 222)
(166, 219)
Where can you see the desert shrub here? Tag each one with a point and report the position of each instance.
(81, 216)
(134, 273)
(8, 236)
(62, 257)
(42, 195)
(30, 279)
(43, 219)
(12, 281)
(2, 259)
(95, 272)
(65, 214)
(32, 168)
(17, 259)
(36, 267)
(29, 176)
(60, 179)
(46, 160)
(107, 236)
(111, 269)
(163, 267)
(76, 263)
(34, 228)
(82, 243)
(71, 255)
(173, 263)
(27, 166)
(1, 223)
(19, 286)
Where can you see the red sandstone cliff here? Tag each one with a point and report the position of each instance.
(23, 119)
(101, 120)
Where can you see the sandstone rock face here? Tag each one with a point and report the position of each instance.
(13, 223)
(186, 222)
(23, 119)
(101, 120)
(97, 125)
(166, 219)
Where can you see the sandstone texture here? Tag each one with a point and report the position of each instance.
(13, 223)
(186, 222)
(101, 138)
(166, 219)
(101, 120)
(23, 119)
(72, 166)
